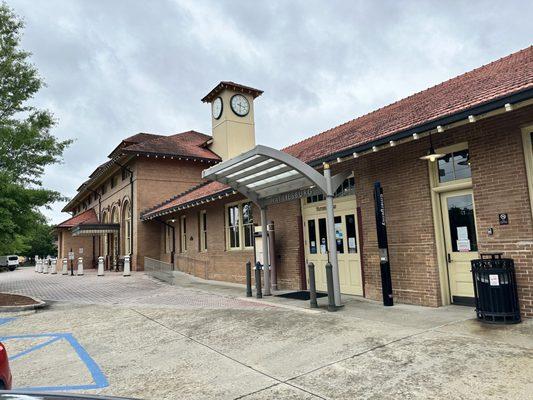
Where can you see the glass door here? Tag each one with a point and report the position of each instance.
(459, 222)
(316, 244)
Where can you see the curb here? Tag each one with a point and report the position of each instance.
(281, 305)
(40, 304)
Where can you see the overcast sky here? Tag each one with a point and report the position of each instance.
(117, 67)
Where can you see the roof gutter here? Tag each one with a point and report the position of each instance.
(462, 115)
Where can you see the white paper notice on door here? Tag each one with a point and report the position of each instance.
(463, 245)
(462, 233)
(494, 280)
(351, 242)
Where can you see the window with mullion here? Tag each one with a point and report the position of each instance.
(248, 224)
(233, 227)
(203, 231)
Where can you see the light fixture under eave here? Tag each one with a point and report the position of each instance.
(432, 155)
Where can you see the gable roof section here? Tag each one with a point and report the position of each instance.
(190, 144)
(86, 217)
(499, 79)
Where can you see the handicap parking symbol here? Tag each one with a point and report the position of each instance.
(99, 380)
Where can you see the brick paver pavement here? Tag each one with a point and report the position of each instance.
(113, 288)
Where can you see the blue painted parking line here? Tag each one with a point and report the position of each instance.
(98, 377)
(6, 320)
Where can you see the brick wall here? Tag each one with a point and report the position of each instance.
(66, 242)
(499, 185)
(229, 265)
(157, 180)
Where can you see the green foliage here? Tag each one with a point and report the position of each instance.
(26, 146)
(41, 241)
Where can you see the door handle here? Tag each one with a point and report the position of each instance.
(449, 258)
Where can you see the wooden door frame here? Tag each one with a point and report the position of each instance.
(356, 213)
(442, 196)
(436, 189)
(527, 131)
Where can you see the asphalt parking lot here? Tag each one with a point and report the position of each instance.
(142, 338)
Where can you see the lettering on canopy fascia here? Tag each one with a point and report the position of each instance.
(292, 195)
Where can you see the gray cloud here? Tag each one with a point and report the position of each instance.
(114, 68)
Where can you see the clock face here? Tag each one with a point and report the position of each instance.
(216, 108)
(240, 105)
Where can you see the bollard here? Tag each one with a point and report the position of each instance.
(127, 267)
(39, 265)
(53, 270)
(45, 266)
(312, 285)
(248, 279)
(258, 293)
(80, 266)
(36, 263)
(64, 271)
(329, 279)
(100, 266)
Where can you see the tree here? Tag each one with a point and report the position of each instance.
(27, 145)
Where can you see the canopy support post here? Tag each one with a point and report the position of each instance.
(264, 240)
(332, 244)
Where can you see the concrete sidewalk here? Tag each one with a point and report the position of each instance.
(275, 349)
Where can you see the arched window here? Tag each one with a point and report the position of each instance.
(126, 227)
(115, 219)
(105, 220)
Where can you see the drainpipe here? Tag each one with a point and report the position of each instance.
(173, 252)
(131, 202)
(99, 219)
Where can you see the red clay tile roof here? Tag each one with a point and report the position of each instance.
(141, 137)
(196, 193)
(186, 144)
(233, 86)
(137, 138)
(86, 217)
(490, 82)
(499, 79)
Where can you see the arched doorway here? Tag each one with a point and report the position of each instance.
(114, 240)
(105, 249)
(126, 227)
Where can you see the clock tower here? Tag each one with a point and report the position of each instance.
(232, 118)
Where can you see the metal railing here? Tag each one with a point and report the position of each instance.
(158, 269)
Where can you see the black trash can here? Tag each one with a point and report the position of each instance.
(495, 289)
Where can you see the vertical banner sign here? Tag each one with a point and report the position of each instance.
(381, 226)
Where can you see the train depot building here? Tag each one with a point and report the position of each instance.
(455, 164)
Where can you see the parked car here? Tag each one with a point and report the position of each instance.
(5, 372)
(22, 260)
(11, 262)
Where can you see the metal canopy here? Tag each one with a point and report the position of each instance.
(95, 229)
(266, 176)
(269, 176)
